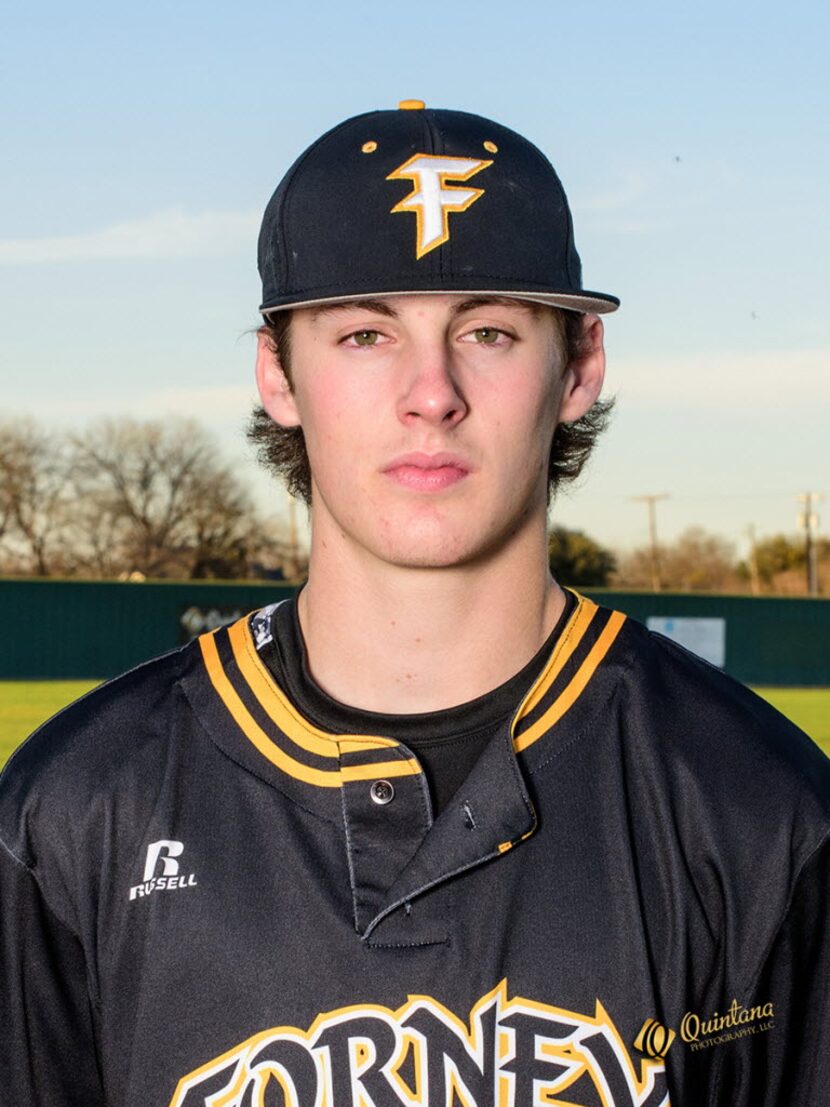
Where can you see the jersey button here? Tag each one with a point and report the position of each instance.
(382, 792)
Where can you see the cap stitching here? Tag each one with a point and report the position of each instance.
(288, 192)
(433, 146)
(433, 139)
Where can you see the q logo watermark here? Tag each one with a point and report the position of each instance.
(654, 1039)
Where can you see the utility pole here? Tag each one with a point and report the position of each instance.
(754, 575)
(651, 500)
(808, 521)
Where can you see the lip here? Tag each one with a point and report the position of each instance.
(423, 472)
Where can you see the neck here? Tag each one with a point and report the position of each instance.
(400, 640)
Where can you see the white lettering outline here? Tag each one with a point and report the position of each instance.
(568, 1049)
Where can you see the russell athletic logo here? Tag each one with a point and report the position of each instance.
(509, 1053)
(432, 199)
(161, 870)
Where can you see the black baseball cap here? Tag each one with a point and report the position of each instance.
(421, 200)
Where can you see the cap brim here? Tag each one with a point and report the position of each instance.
(598, 302)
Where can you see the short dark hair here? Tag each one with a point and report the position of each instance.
(281, 450)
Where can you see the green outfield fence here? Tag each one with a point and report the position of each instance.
(64, 630)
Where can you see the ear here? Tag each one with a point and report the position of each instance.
(583, 376)
(274, 388)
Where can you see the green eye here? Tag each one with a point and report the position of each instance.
(487, 336)
(365, 338)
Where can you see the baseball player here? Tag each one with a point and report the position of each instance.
(439, 832)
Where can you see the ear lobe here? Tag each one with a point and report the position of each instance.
(584, 374)
(274, 389)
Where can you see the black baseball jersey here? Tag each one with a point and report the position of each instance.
(207, 901)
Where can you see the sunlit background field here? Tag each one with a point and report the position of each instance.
(24, 705)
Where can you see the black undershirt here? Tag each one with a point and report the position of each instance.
(447, 743)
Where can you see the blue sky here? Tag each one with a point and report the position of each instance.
(140, 146)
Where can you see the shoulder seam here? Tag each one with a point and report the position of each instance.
(753, 980)
(17, 860)
(92, 691)
(20, 863)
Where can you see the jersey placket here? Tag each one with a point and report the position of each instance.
(397, 854)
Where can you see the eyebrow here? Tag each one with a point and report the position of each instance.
(381, 307)
(495, 301)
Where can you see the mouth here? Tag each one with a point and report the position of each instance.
(428, 472)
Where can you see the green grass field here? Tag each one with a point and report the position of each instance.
(26, 704)
(808, 708)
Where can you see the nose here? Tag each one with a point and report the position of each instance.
(431, 392)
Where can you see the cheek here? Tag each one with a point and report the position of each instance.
(524, 422)
(322, 410)
(338, 423)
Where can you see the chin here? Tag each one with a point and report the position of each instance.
(423, 555)
(444, 547)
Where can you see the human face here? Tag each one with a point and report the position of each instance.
(427, 420)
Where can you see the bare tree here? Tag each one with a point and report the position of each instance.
(34, 498)
(223, 529)
(277, 552)
(6, 468)
(780, 561)
(697, 561)
(158, 500)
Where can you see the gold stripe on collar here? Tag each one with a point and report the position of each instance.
(572, 634)
(577, 684)
(251, 729)
(325, 778)
(279, 707)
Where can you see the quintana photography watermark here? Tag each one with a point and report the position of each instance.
(737, 1022)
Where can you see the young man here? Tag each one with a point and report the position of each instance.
(440, 831)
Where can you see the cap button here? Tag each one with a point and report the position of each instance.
(411, 105)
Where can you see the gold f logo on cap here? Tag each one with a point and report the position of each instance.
(432, 199)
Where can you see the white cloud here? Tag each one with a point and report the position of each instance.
(165, 234)
(660, 194)
(223, 402)
(771, 380)
(219, 406)
(630, 187)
